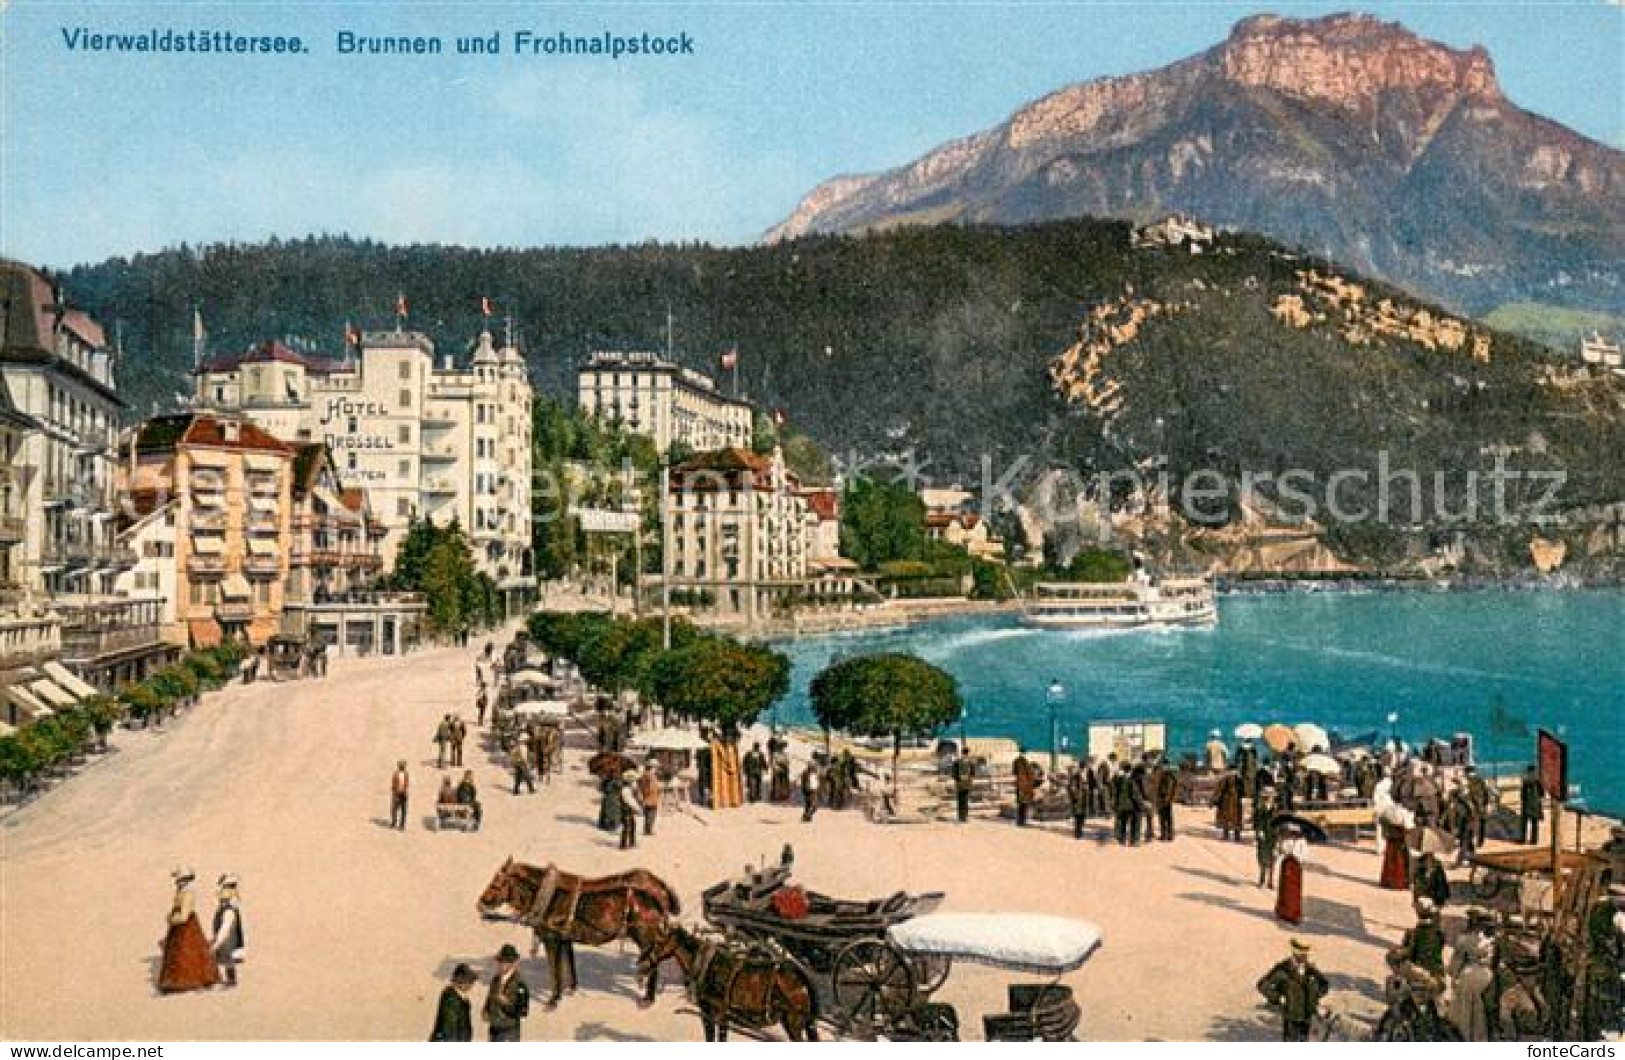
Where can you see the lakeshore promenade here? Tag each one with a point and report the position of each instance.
(353, 927)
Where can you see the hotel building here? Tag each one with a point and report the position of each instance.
(659, 399)
(424, 440)
(736, 533)
(58, 373)
(214, 497)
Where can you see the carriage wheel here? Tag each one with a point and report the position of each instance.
(930, 973)
(873, 985)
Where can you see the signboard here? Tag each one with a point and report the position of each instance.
(605, 520)
(1128, 740)
(1552, 762)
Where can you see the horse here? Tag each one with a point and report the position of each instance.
(562, 909)
(732, 987)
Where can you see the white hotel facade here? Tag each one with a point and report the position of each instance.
(440, 441)
(650, 395)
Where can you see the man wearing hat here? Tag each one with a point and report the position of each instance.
(1530, 806)
(228, 930)
(400, 785)
(508, 1001)
(454, 1018)
(1296, 987)
(631, 809)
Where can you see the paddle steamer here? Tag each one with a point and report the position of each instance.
(1140, 602)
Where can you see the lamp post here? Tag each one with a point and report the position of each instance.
(1055, 696)
(1393, 728)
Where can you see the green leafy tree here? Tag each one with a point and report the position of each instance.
(887, 695)
(1098, 565)
(720, 681)
(881, 522)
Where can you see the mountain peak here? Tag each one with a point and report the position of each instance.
(1349, 60)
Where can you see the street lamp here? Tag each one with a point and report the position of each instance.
(1393, 727)
(1055, 697)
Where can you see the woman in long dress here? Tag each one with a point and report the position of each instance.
(1289, 875)
(188, 961)
(1396, 858)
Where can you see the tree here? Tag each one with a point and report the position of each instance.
(720, 681)
(1098, 565)
(890, 694)
(881, 522)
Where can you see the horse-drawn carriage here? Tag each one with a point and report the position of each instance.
(873, 966)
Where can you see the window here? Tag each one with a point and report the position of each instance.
(262, 592)
(403, 508)
(406, 371)
(405, 468)
(406, 399)
(404, 434)
(349, 461)
(354, 426)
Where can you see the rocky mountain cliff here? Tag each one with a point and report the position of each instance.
(1345, 135)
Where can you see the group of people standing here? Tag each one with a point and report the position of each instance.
(191, 960)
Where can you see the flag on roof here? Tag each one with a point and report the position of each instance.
(730, 359)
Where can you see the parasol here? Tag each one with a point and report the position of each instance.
(1323, 764)
(668, 740)
(1312, 831)
(1311, 737)
(1249, 731)
(607, 764)
(1279, 738)
(529, 677)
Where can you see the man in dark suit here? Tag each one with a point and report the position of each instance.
(1529, 803)
(755, 767)
(1165, 786)
(454, 1018)
(1296, 987)
(508, 1001)
(964, 782)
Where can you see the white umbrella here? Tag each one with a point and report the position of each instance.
(549, 708)
(1310, 737)
(529, 677)
(1323, 764)
(1249, 731)
(668, 740)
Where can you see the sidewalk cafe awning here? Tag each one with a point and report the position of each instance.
(24, 701)
(205, 632)
(51, 693)
(235, 587)
(69, 680)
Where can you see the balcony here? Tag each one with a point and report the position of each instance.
(442, 487)
(99, 627)
(210, 519)
(234, 611)
(439, 454)
(201, 563)
(29, 639)
(262, 564)
(262, 522)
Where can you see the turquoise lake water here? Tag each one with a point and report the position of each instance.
(1444, 662)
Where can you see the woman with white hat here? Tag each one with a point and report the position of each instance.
(187, 963)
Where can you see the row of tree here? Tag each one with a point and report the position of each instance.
(51, 743)
(716, 679)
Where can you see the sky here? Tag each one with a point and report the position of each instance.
(104, 154)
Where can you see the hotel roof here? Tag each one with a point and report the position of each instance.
(168, 433)
(271, 351)
(32, 317)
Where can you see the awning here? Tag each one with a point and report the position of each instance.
(262, 504)
(69, 680)
(32, 708)
(52, 693)
(205, 632)
(208, 544)
(261, 547)
(207, 496)
(235, 587)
